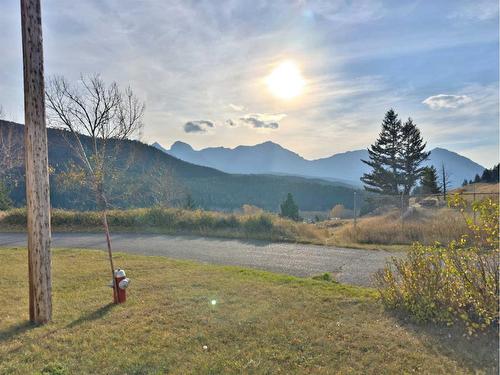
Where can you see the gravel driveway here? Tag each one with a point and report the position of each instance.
(349, 266)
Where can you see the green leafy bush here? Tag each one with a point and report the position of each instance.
(458, 282)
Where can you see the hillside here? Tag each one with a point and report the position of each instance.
(144, 176)
(272, 158)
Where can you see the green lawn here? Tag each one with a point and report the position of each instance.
(262, 323)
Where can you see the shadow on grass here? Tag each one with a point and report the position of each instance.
(477, 353)
(15, 330)
(93, 315)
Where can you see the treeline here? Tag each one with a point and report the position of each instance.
(489, 176)
(142, 176)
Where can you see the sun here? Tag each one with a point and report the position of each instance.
(286, 81)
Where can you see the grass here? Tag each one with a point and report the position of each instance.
(261, 226)
(258, 225)
(262, 323)
(424, 225)
(482, 188)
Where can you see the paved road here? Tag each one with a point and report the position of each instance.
(348, 265)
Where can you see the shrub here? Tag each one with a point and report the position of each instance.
(458, 282)
(325, 277)
(258, 224)
(5, 201)
(16, 216)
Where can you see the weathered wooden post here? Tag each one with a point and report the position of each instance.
(36, 161)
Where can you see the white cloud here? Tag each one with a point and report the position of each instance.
(481, 10)
(444, 101)
(344, 12)
(235, 107)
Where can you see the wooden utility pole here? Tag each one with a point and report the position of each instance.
(36, 160)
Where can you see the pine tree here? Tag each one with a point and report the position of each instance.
(490, 175)
(189, 203)
(477, 178)
(5, 201)
(465, 183)
(486, 176)
(384, 157)
(429, 181)
(411, 156)
(495, 173)
(289, 209)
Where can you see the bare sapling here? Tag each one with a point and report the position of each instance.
(96, 117)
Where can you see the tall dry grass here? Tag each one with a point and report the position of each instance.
(259, 225)
(425, 226)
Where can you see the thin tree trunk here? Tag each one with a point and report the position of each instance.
(36, 162)
(101, 199)
(110, 254)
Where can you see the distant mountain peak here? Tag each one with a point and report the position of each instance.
(272, 158)
(180, 146)
(269, 143)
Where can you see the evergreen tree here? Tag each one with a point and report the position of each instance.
(429, 181)
(384, 157)
(486, 176)
(411, 156)
(5, 201)
(465, 183)
(189, 203)
(289, 209)
(495, 173)
(477, 178)
(489, 175)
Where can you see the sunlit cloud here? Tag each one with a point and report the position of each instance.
(444, 101)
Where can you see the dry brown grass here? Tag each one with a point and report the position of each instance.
(426, 226)
(480, 188)
(255, 225)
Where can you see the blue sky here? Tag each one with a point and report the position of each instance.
(204, 63)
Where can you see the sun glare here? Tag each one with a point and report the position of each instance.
(285, 81)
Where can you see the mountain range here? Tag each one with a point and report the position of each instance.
(271, 158)
(143, 176)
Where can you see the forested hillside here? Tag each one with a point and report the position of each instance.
(142, 176)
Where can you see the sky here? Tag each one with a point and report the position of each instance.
(203, 68)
